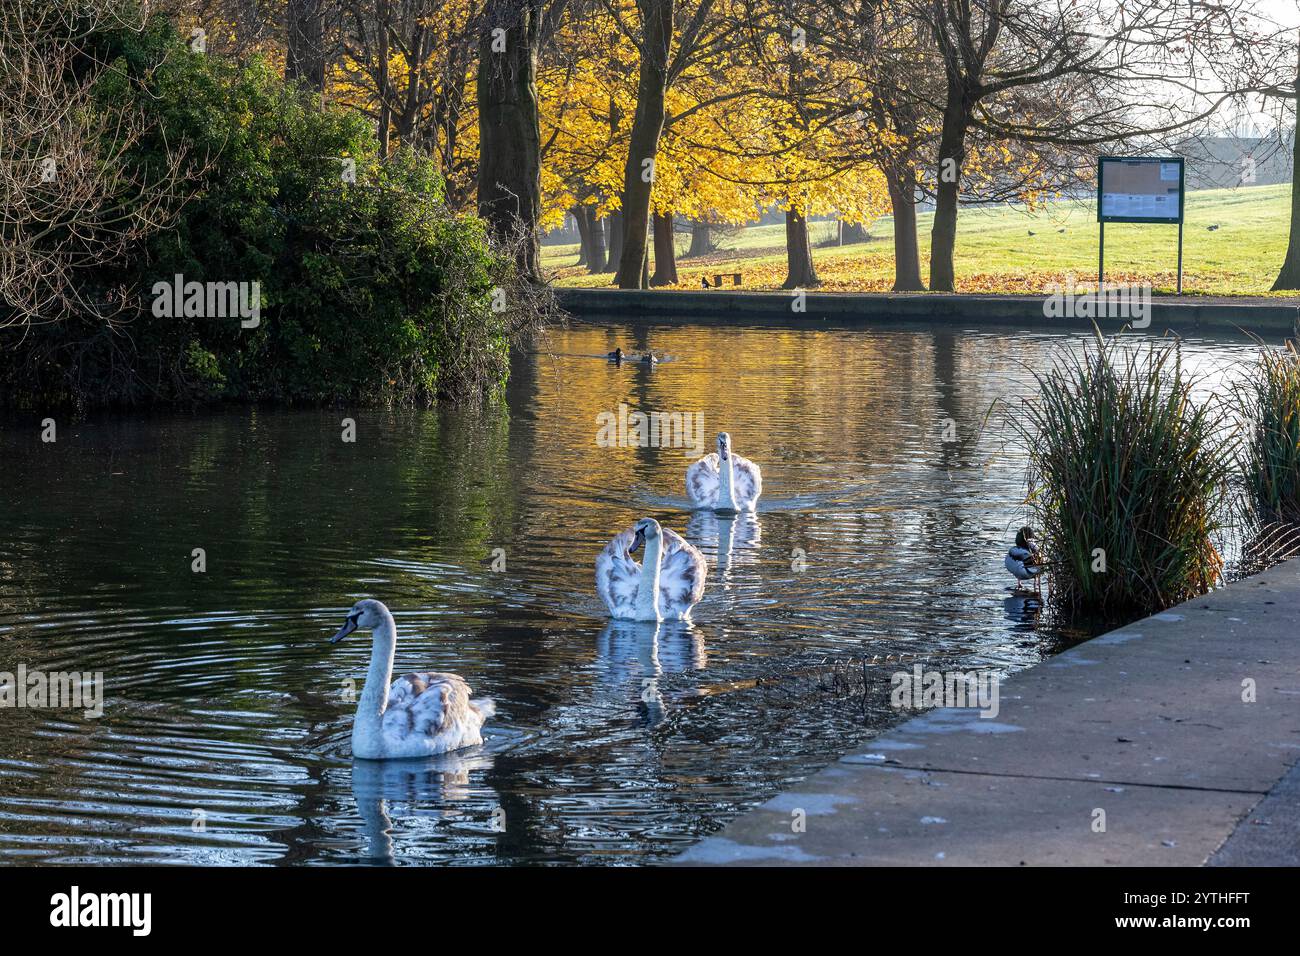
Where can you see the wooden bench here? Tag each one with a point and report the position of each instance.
(736, 278)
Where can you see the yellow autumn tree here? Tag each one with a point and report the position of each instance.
(415, 80)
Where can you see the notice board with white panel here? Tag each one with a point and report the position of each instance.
(1139, 189)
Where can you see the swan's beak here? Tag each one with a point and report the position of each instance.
(637, 541)
(348, 627)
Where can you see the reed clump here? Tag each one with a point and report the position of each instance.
(1269, 404)
(1128, 476)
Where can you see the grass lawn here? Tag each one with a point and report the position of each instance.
(1008, 249)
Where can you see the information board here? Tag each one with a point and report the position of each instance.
(1142, 189)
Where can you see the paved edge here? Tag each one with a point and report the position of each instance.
(1138, 747)
(1182, 315)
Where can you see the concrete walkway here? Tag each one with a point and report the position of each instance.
(1186, 315)
(1145, 724)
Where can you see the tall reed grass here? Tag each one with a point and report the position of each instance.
(1269, 404)
(1127, 479)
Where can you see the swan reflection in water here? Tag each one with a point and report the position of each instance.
(420, 793)
(633, 655)
(734, 538)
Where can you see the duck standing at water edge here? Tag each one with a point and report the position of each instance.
(1023, 560)
(664, 587)
(724, 481)
(420, 714)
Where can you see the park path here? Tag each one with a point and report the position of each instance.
(1146, 724)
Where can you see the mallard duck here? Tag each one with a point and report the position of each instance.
(1023, 559)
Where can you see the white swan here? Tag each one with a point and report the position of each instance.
(724, 481)
(664, 588)
(1023, 560)
(421, 714)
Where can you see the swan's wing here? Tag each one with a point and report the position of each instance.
(682, 571)
(426, 704)
(746, 480)
(702, 481)
(617, 575)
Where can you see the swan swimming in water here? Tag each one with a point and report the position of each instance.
(1023, 560)
(724, 481)
(421, 714)
(665, 587)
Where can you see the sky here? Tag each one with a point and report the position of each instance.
(1284, 12)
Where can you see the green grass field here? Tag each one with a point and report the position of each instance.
(1008, 249)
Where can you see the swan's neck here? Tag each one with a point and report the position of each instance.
(374, 698)
(647, 588)
(726, 491)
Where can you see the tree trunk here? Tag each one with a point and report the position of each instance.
(643, 145)
(851, 232)
(509, 172)
(665, 251)
(594, 240)
(1289, 276)
(952, 153)
(305, 43)
(385, 107)
(584, 236)
(701, 240)
(901, 181)
(800, 273)
(615, 223)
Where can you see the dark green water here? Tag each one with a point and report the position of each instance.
(224, 738)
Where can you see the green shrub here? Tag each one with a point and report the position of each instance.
(1126, 473)
(371, 291)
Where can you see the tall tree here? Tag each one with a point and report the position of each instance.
(1056, 78)
(510, 149)
(655, 41)
(509, 172)
(1269, 56)
(408, 64)
(1288, 277)
(665, 252)
(305, 42)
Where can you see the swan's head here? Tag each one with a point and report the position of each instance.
(1025, 538)
(365, 615)
(647, 529)
(724, 445)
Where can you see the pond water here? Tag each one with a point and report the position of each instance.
(890, 496)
